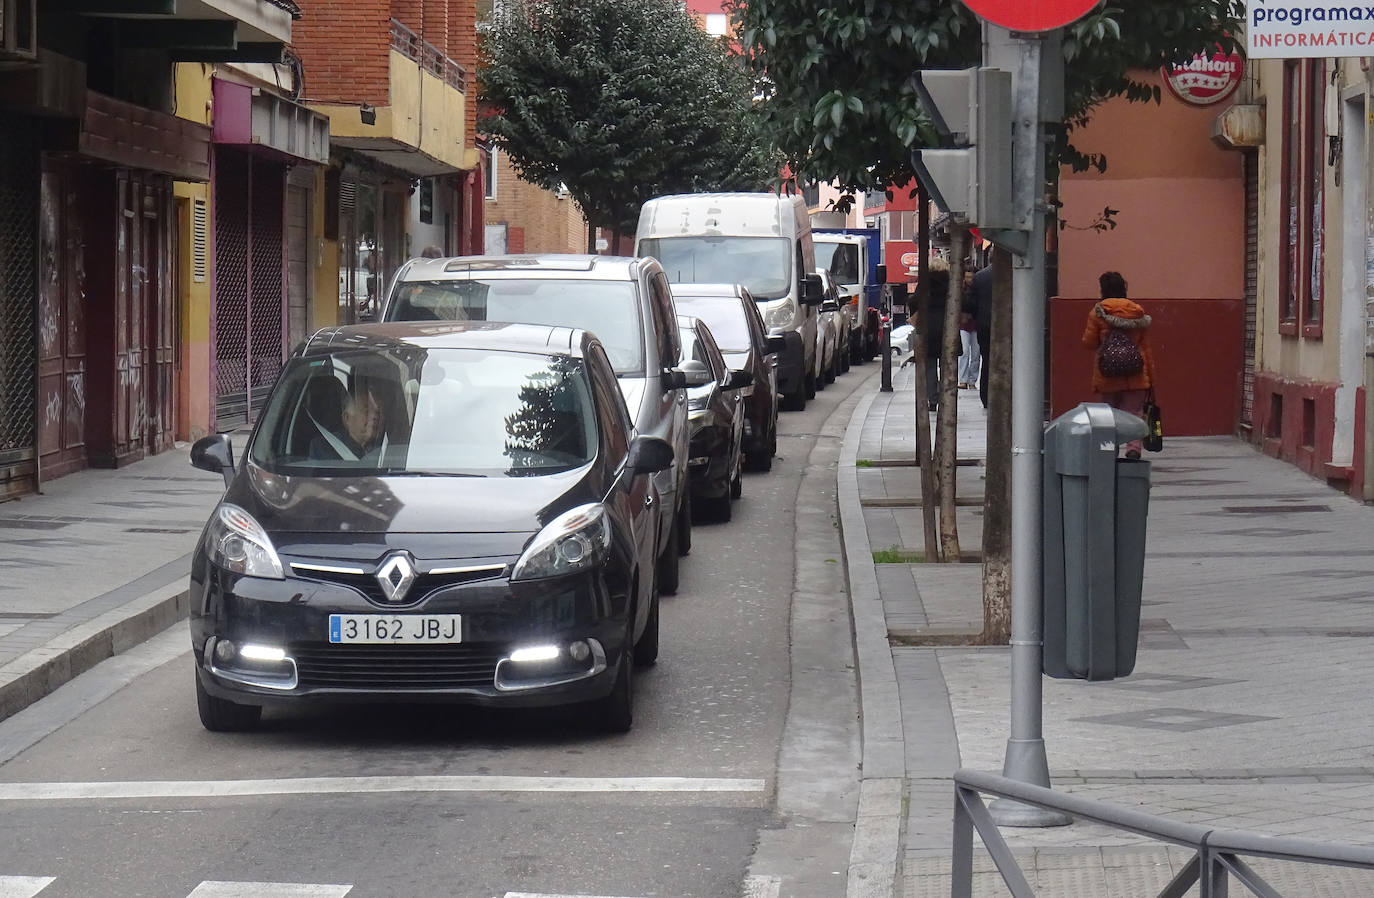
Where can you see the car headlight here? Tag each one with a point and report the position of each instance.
(576, 540)
(781, 316)
(236, 542)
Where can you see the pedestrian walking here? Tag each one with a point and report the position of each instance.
(978, 304)
(1123, 365)
(934, 330)
(971, 359)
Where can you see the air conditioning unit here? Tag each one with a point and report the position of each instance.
(18, 30)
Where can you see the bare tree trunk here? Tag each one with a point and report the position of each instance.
(918, 317)
(947, 419)
(591, 237)
(997, 571)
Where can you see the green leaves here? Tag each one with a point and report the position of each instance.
(621, 100)
(841, 107)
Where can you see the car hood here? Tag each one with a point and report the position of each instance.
(285, 504)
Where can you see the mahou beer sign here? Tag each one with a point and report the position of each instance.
(1205, 80)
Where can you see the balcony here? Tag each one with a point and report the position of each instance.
(199, 30)
(421, 131)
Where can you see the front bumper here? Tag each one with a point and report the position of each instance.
(498, 616)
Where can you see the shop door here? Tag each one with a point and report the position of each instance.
(61, 322)
(249, 317)
(130, 320)
(19, 228)
(160, 309)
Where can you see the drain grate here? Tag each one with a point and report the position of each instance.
(1274, 509)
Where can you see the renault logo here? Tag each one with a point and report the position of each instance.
(396, 576)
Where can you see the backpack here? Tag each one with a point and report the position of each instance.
(1119, 356)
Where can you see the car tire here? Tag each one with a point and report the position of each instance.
(684, 525)
(220, 715)
(760, 457)
(646, 648)
(667, 571)
(615, 712)
(834, 370)
(811, 386)
(796, 400)
(718, 508)
(737, 485)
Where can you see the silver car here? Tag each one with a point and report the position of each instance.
(626, 302)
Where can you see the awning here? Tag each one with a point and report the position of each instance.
(273, 125)
(124, 134)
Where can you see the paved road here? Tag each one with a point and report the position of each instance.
(110, 787)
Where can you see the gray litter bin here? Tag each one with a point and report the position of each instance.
(1094, 547)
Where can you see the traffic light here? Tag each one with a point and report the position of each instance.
(971, 177)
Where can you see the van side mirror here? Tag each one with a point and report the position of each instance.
(215, 454)
(695, 373)
(813, 292)
(830, 306)
(776, 343)
(649, 455)
(673, 379)
(882, 274)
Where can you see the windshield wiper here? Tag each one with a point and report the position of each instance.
(412, 472)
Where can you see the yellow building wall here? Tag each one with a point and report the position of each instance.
(194, 101)
(324, 299)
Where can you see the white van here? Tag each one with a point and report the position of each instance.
(761, 241)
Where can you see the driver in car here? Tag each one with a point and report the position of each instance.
(360, 433)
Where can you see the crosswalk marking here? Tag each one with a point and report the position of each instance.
(23, 886)
(209, 889)
(368, 784)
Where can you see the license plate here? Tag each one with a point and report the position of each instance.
(386, 629)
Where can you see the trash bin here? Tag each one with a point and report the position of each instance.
(1095, 507)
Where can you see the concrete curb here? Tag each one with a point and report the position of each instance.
(39, 672)
(877, 833)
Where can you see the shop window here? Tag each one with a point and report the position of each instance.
(489, 171)
(1273, 428)
(1302, 197)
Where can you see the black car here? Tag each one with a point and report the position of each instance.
(715, 418)
(440, 512)
(734, 319)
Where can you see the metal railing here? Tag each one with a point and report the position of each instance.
(429, 57)
(1217, 858)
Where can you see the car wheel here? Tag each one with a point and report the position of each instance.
(666, 571)
(684, 525)
(736, 486)
(811, 386)
(615, 712)
(796, 400)
(220, 715)
(833, 370)
(760, 457)
(646, 649)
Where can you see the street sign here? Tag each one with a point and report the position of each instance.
(1309, 28)
(1030, 15)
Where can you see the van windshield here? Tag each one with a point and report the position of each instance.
(842, 259)
(608, 309)
(763, 264)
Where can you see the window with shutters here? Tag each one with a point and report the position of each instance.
(1302, 198)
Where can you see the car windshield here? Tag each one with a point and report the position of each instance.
(842, 259)
(410, 410)
(762, 264)
(725, 318)
(607, 308)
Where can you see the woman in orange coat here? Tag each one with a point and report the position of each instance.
(1117, 313)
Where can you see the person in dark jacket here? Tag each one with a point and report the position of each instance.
(934, 329)
(978, 304)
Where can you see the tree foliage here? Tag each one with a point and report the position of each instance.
(619, 100)
(840, 103)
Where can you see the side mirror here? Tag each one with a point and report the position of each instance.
(882, 274)
(830, 306)
(777, 343)
(672, 379)
(695, 373)
(215, 454)
(649, 455)
(737, 380)
(813, 291)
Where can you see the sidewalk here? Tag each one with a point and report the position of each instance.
(97, 563)
(1248, 708)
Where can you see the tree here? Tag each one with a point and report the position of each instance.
(840, 103)
(620, 101)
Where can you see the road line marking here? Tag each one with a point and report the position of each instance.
(335, 785)
(23, 886)
(209, 889)
(543, 895)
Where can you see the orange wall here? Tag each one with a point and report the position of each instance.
(1179, 241)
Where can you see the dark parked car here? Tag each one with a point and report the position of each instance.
(715, 414)
(736, 323)
(440, 512)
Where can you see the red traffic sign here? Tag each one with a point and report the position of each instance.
(1030, 15)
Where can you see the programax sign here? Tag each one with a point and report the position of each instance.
(1317, 28)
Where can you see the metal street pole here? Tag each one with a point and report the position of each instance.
(1036, 64)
